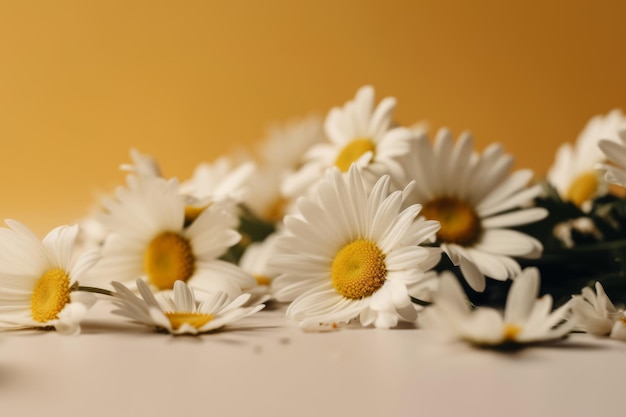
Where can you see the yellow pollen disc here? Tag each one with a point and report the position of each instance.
(459, 222)
(583, 188)
(192, 213)
(167, 259)
(352, 152)
(196, 320)
(50, 295)
(623, 319)
(511, 331)
(359, 269)
(262, 280)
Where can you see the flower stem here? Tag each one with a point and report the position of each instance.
(95, 290)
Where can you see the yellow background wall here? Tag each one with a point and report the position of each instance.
(83, 81)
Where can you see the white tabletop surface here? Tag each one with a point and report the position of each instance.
(268, 366)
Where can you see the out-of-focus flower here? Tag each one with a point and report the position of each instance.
(594, 312)
(526, 319)
(574, 173)
(477, 201)
(615, 152)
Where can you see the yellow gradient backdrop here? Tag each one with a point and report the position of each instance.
(83, 81)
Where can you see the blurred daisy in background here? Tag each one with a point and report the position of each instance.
(596, 314)
(178, 312)
(574, 173)
(148, 238)
(615, 153)
(143, 165)
(357, 133)
(285, 144)
(218, 181)
(477, 201)
(526, 319)
(351, 251)
(256, 260)
(39, 279)
(280, 154)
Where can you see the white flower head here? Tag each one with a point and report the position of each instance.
(594, 312)
(219, 181)
(574, 173)
(38, 279)
(256, 260)
(477, 201)
(149, 238)
(179, 312)
(143, 166)
(358, 133)
(615, 152)
(526, 319)
(350, 251)
(286, 143)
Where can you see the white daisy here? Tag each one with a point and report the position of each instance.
(180, 313)
(594, 312)
(358, 133)
(618, 331)
(286, 143)
(574, 173)
(148, 239)
(352, 252)
(616, 154)
(219, 181)
(477, 200)
(281, 154)
(265, 198)
(526, 319)
(256, 260)
(143, 166)
(39, 279)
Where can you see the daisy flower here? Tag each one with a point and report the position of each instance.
(280, 154)
(357, 133)
(595, 313)
(180, 313)
(148, 239)
(574, 173)
(219, 181)
(143, 166)
(477, 200)
(351, 251)
(526, 319)
(256, 260)
(39, 279)
(286, 143)
(616, 154)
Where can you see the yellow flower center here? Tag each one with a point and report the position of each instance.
(167, 259)
(583, 188)
(192, 213)
(262, 280)
(352, 152)
(459, 221)
(359, 269)
(50, 295)
(197, 320)
(511, 331)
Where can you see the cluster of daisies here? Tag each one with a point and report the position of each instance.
(350, 219)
